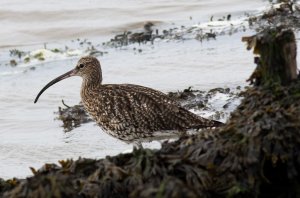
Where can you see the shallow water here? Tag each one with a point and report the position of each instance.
(29, 135)
(26, 22)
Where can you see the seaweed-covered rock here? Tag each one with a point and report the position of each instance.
(72, 117)
(282, 13)
(7, 185)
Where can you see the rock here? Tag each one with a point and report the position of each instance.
(72, 116)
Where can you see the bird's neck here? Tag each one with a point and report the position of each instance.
(89, 85)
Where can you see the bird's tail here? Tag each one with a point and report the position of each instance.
(216, 123)
(193, 121)
(208, 124)
(204, 123)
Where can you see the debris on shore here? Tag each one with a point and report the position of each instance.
(72, 117)
(283, 13)
(8, 185)
(150, 33)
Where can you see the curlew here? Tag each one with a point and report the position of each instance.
(131, 113)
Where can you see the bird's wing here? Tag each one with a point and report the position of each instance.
(142, 109)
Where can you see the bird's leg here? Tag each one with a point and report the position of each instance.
(137, 145)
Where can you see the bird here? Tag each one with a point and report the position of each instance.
(131, 113)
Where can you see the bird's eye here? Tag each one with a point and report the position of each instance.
(81, 65)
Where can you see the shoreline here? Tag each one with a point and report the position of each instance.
(51, 168)
(153, 34)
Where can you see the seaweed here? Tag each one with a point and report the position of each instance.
(72, 117)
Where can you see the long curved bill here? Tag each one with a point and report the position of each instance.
(64, 76)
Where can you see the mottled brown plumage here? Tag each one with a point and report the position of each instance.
(131, 113)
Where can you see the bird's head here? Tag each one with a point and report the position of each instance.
(88, 67)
